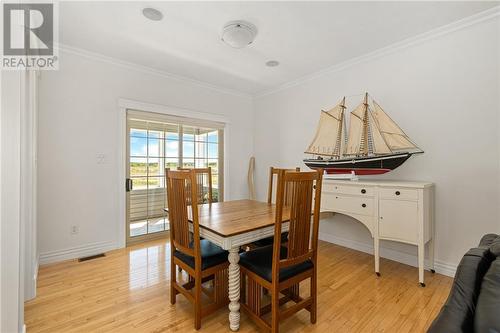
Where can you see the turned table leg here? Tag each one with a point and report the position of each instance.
(234, 289)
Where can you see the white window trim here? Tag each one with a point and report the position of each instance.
(127, 104)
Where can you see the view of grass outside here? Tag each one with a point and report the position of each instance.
(151, 151)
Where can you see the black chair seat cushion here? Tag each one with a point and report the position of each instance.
(260, 261)
(211, 255)
(270, 240)
(487, 316)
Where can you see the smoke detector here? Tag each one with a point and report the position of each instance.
(238, 34)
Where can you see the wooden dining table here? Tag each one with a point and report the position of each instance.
(231, 224)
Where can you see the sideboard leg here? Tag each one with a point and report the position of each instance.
(376, 254)
(431, 255)
(421, 256)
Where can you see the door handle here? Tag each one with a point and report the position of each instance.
(129, 185)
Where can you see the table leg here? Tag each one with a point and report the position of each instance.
(234, 289)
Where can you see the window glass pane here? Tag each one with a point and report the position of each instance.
(156, 224)
(214, 164)
(215, 180)
(154, 134)
(213, 136)
(171, 163)
(172, 148)
(139, 183)
(201, 135)
(154, 167)
(201, 149)
(138, 228)
(215, 187)
(155, 182)
(138, 133)
(188, 163)
(200, 163)
(156, 202)
(172, 136)
(188, 133)
(138, 146)
(138, 167)
(155, 147)
(213, 150)
(188, 149)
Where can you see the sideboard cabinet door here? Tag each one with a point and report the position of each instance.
(398, 220)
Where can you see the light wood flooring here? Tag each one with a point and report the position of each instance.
(128, 291)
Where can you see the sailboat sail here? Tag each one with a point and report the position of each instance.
(379, 144)
(356, 131)
(326, 141)
(392, 134)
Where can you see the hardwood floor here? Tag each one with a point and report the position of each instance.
(128, 291)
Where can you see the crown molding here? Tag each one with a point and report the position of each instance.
(409, 42)
(147, 70)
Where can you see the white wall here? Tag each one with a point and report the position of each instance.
(445, 93)
(11, 260)
(78, 119)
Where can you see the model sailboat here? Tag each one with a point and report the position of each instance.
(374, 144)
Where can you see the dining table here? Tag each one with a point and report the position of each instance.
(231, 224)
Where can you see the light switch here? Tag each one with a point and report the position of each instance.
(101, 158)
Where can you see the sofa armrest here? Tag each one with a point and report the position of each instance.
(457, 314)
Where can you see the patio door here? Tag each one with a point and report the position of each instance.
(156, 142)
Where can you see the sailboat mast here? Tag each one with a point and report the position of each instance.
(338, 141)
(364, 139)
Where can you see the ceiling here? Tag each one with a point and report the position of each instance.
(305, 37)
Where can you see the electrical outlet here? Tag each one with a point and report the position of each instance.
(75, 229)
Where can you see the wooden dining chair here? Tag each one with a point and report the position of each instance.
(200, 259)
(279, 269)
(273, 173)
(203, 176)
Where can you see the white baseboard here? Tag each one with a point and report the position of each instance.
(405, 258)
(77, 252)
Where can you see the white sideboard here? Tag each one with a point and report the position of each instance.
(399, 211)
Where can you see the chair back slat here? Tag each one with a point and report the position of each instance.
(303, 191)
(204, 184)
(181, 192)
(272, 173)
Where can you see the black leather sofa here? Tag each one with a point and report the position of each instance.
(474, 301)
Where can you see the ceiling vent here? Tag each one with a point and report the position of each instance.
(238, 34)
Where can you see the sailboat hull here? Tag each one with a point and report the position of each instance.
(371, 165)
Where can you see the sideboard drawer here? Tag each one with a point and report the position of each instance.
(348, 189)
(348, 204)
(398, 193)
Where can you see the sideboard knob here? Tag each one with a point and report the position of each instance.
(363, 205)
(398, 193)
(363, 191)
